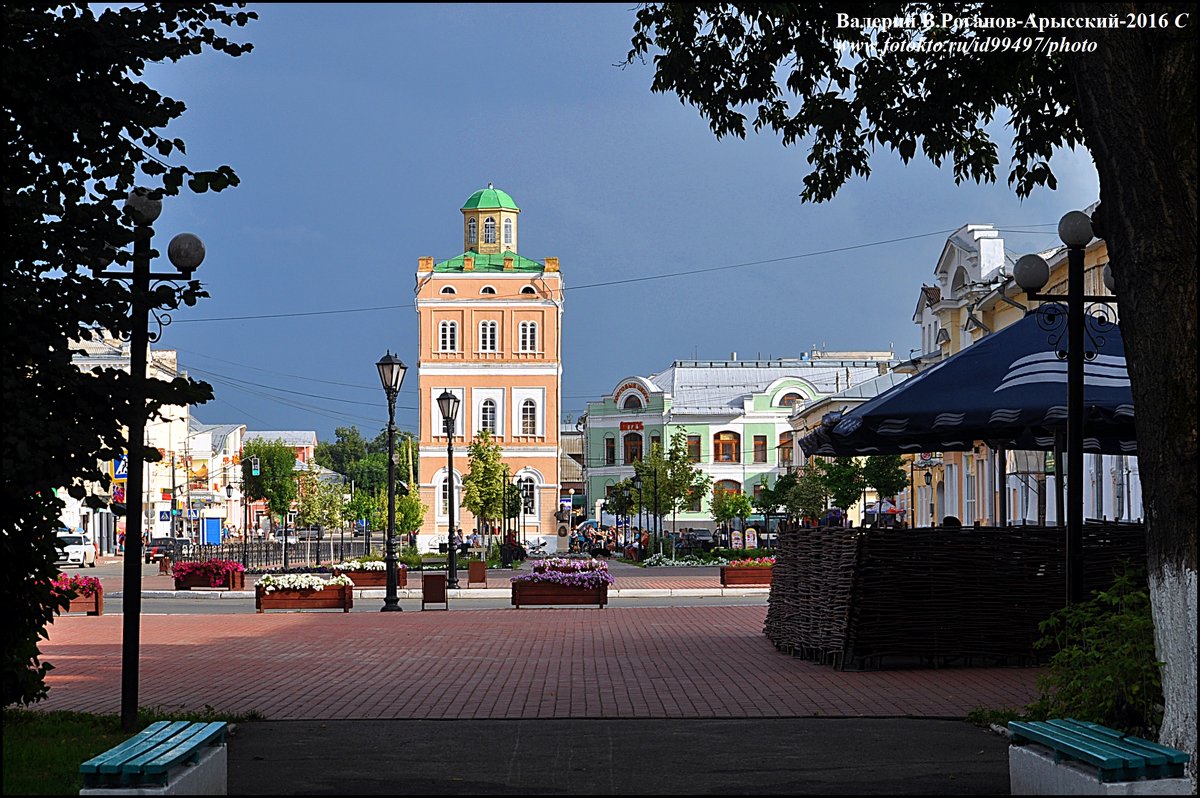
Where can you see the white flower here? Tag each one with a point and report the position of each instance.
(272, 582)
(359, 565)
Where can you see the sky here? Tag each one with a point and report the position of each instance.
(359, 130)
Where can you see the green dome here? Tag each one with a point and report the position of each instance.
(489, 198)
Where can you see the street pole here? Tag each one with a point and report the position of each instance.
(448, 404)
(391, 374)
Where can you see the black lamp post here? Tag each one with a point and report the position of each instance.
(448, 404)
(391, 374)
(1032, 273)
(186, 252)
(627, 505)
(637, 487)
(229, 498)
(929, 484)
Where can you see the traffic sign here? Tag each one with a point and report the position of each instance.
(164, 515)
(193, 513)
(120, 468)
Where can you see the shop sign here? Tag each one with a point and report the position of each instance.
(630, 425)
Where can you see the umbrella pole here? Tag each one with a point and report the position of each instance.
(1002, 472)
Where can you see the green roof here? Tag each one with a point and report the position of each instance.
(489, 198)
(489, 263)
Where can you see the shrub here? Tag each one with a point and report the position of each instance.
(1103, 668)
(216, 571)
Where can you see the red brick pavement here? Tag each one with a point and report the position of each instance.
(684, 662)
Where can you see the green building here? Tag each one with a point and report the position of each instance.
(733, 412)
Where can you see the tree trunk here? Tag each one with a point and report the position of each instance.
(1136, 104)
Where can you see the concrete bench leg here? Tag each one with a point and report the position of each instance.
(209, 776)
(1033, 771)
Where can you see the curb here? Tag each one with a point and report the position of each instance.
(495, 594)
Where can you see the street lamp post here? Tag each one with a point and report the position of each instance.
(1032, 273)
(929, 486)
(637, 487)
(448, 404)
(229, 501)
(186, 252)
(391, 374)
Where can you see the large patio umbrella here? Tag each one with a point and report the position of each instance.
(1008, 389)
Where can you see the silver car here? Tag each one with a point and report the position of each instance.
(76, 550)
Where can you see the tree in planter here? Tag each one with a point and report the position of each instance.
(728, 505)
(1127, 96)
(657, 487)
(885, 474)
(276, 480)
(843, 478)
(685, 478)
(483, 485)
(81, 128)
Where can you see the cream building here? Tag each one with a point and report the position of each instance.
(490, 332)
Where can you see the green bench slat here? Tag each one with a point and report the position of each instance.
(1117, 758)
(1173, 755)
(150, 754)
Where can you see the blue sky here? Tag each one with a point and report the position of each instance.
(358, 131)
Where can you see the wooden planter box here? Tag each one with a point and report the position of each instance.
(548, 594)
(375, 578)
(92, 605)
(334, 597)
(234, 581)
(732, 576)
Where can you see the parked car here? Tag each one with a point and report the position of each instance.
(312, 533)
(76, 550)
(158, 548)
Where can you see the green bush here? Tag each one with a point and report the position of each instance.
(410, 557)
(1103, 667)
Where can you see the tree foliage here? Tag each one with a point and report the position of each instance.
(843, 478)
(81, 129)
(885, 474)
(319, 503)
(276, 481)
(349, 446)
(809, 497)
(483, 485)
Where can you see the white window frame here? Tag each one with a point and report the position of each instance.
(488, 289)
(472, 231)
(495, 395)
(489, 333)
(519, 395)
(483, 416)
(448, 289)
(441, 493)
(528, 336)
(527, 484)
(447, 336)
(436, 427)
(970, 488)
(529, 425)
(508, 231)
(489, 230)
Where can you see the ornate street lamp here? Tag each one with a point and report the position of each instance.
(1032, 273)
(637, 486)
(186, 252)
(448, 404)
(391, 374)
(929, 485)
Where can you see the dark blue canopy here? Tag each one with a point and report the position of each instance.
(1008, 389)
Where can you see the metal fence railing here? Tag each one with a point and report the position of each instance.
(261, 555)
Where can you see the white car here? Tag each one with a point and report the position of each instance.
(76, 550)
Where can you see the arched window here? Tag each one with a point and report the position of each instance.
(528, 495)
(632, 402)
(529, 417)
(448, 336)
(448, 289)
(727, 486)
(489, 230)
(791, 400)
(727, 447)
(487, 416)
(508, 232)
(529, 289)
(633, 448)
(528, 334)
(487, 336)
(487, 289)
(444, 495)
(472, 230)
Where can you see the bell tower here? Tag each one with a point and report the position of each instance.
(490, 222)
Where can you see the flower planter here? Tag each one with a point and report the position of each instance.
(92, 605)
(548, 594)
(333, 597)
(732, 576)
(375, 578)
(236, 580)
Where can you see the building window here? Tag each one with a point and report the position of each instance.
(529, 289)
(727, 486)
(694, 499)
(528, 336)
(633, 448)
(489, 230)
(472, 230)
(487, 289)
(632, 402)
(610, 450)
(693, 442)
(727, 447)
(508, 232)
(444, 496)
(785, 449)
(528, 417)
(487, 336)
(655, 440)
(448, 289)
(528, 495)
(487, 416)
(758, 491)
(760, 448)
(969, 489)
(448, 336)
(791, 400)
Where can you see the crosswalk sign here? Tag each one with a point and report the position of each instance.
(120, 468)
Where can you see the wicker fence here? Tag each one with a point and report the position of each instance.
(855, 597)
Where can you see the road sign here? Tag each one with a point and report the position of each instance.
(193, 513)
(120, 468)
(164, 515)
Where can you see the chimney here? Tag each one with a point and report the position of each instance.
(425, 264)
(551, 264)
(733, 356)
(508, 264)
(468, 263)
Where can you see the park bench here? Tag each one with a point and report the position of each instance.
(166, 758)
(1056, 757)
